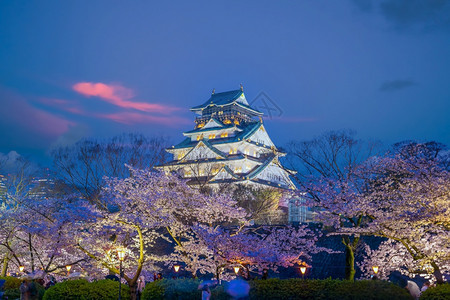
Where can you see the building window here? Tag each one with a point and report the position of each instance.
(224, 135)
(226, 121)
(233, 151)
(238, 170)
(212, 136)
(199, 137)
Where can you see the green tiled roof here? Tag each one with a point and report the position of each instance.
(201, 130)
(220, 99)
(245, 133)
(259, 169)
(225, 98)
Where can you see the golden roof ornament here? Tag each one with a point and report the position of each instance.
(213, 91)
(242, 87)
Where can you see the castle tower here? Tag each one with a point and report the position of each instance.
(229, 144)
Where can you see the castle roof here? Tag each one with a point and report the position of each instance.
(227, 98)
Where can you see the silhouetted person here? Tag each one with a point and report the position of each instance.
(265, 274)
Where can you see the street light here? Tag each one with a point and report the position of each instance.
(176, 268)
(375, 269)
(21, 268)
(236, 269)
(303, 270)
(121, 255)
(68, 267)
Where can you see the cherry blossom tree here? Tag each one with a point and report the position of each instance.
(255, 249)
(34, 225)
(408, 202)
(328, 179)
(148, 208)
(38, 233)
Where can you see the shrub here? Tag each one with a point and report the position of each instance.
(325, 289)
(179, 289)
(172, 289)
(439, 292)
(12, 285)
(11, 294)
(283, 289)
(11, 282)
(82, 289)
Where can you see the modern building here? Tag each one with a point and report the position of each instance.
(229, 145)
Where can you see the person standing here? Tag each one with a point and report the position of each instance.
(413, 289)
(24, 291)
(425, 286)
(206, 292)
(140, 286)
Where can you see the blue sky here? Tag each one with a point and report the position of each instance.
(70, 69)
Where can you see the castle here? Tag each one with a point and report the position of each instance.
(229, 145)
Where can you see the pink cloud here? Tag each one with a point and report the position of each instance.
(18, 112)
(63, 104)
(139, 118)
(119, 96)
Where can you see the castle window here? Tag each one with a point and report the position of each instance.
(238, 170)
(224, 134)
(226, 121)
(212, 136)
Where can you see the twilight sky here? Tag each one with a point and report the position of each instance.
(70, 69)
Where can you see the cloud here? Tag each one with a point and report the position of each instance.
(63, 104)
(139, 118)
(398, 84)
(73, 135)
(18, 113)
(119, 96)
(407, 14)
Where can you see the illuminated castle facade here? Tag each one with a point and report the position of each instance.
(229, 144)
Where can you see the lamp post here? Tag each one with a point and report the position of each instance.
(121, 255)
(68, 267)
(21, 268)
(303, 271)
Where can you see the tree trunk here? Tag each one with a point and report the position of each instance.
(218, 274)
(133, 291)
(437, 273)
(350, 257)
(31, 252)
(6, 259)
